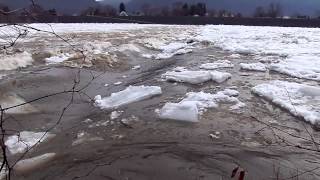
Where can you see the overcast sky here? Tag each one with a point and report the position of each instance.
(309, 7)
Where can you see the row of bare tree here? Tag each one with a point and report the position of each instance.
(176, 9)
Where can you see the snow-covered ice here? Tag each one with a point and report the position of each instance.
(195, 77)
(196, 103)
(129, 95)
(299, 99)
(192, 77)
(31, 164)
(25, 140)
(217, 64)
(180, 111)
(280, 41)
(296, 49)
(173, 49)
(253, 66)
(167, 49)
(303, 66)
(12, 62)
(220, 77)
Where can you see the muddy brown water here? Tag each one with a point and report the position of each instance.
(150, 148)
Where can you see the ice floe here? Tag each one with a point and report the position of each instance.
(195, 77)
(196, 103)
(253, 66)
(10, 100)
(220, 77)
(217, 64)
(129, 95)
(25, 140)
(31, 164)
(173, 49)
(299, 99)
(303, 66)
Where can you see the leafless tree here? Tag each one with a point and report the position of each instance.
(17, 32)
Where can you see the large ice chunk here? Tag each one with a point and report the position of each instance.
(196, 77)
(253, 66)
(25, 140)
(303, 66)
(180, 111)
(300, 100)
(196, 103)
(218, 64)
(192, 77)
(129, 95)
(31, 164)
(220, 77)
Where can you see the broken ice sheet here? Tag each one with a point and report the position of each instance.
(129, 95)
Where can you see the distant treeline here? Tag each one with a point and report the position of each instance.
(180, 20)
(273, 10)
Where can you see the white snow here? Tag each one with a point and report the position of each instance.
(58, 58)
(253, 66)
(25, 140)
(195, 77)
(31, 164)
(12, 62)
(302, 66)
(300, 100)
(196, 103)
(218, 64)
(129, 95)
